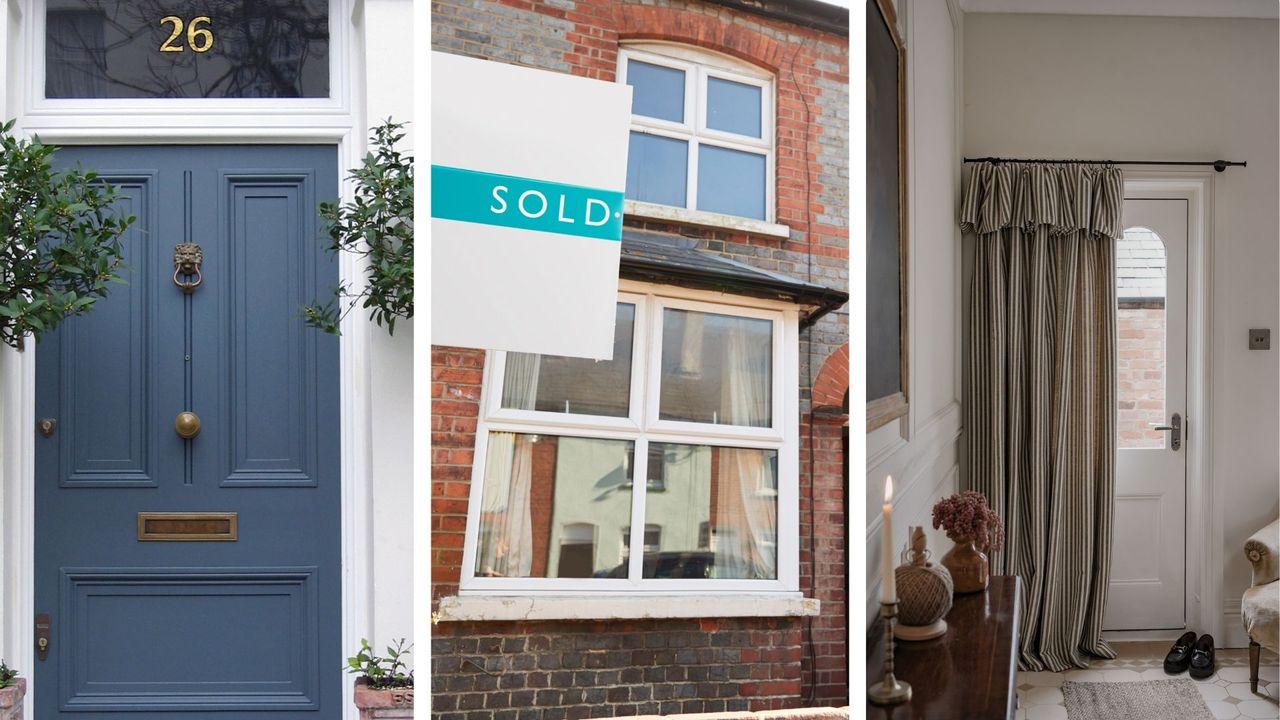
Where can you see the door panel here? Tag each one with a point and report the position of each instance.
(270, 354)
(1147, 588)
(267, 663)
(230, 628)
(107, 437)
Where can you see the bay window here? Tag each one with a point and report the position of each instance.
(699, 401)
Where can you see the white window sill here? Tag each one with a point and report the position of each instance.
(462, 608)
(668, 213)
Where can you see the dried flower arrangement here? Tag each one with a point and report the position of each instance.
(966, 516)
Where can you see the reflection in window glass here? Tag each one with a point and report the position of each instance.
(554, 507)
(652, 540)
(553, 383)
(187, 49)
(719, 514)
(716, 369)
(658, 91)
(657, 168)
(731, 181)
(733, 107)
(1141, 270)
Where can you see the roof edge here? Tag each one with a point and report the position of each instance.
(808, 13)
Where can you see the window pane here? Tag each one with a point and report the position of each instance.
(553, 383)
(733, 107)
(716, 369)
(554, 507)
(731, 181)
(113, 49)
(718, 515)
(1140, 351)
(659, 91)
(657, 169)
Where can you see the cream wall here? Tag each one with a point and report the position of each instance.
(922, 450)
(1165, 89)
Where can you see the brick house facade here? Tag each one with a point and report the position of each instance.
(581, 667)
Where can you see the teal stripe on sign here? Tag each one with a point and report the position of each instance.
(525, 203)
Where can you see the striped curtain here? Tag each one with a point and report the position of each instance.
(1041, 410)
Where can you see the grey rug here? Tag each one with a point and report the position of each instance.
(1141, 700)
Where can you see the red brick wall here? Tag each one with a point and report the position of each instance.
(823, 535)
(608, 669)
(456, 376)
(1140, 374)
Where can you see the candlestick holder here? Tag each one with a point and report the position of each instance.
(891, 690)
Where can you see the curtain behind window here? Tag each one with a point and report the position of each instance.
(745, 503)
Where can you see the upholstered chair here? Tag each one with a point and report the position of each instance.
(1260, 606)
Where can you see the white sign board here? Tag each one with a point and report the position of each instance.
(528, 168)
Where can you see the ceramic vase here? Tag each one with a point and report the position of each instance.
(968, 566)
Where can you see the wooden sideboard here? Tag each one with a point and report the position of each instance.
(970, 673)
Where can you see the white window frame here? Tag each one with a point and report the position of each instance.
(193, 112)
(699, 65)
(783, 436)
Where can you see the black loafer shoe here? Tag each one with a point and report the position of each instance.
(1202, 658)
(1179, 656)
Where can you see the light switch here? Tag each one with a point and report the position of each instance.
(1260, 339)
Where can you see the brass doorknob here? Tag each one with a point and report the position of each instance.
(187, 424)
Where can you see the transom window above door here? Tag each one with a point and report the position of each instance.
(701, 131)
(186, 49)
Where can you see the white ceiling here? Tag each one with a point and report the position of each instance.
(1166, 8)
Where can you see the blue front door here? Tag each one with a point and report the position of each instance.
(195, 577)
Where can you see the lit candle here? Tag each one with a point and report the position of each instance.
(888, 587)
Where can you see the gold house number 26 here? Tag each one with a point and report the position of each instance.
(199, 39)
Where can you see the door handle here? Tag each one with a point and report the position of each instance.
(187, 424)
(1175, 427)
(42, 636)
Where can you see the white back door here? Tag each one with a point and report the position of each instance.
(1148, 565)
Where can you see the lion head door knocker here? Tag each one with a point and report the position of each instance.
(186, 261)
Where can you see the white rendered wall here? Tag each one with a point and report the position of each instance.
(388, 44)
(1166, 89)
(922, 450)
(11, 411)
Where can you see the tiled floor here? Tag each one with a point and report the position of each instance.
(1226, 693)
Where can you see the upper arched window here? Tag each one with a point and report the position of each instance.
(702, 134)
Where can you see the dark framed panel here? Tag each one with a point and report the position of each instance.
(887, 347)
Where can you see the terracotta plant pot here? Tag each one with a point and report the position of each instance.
(391, 703)
(11, 699)
(967, 566)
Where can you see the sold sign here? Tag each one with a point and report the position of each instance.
(526, 207)
(525, 203)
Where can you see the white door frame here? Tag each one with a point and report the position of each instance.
(1204, 536)
(340, 122)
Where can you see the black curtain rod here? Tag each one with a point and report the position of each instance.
(1218, 165)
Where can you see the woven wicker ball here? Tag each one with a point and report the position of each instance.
(924, 593)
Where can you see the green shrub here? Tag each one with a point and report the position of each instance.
(382, 672)
(59, 239)
(376, 224)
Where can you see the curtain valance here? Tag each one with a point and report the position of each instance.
(1066, 198)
